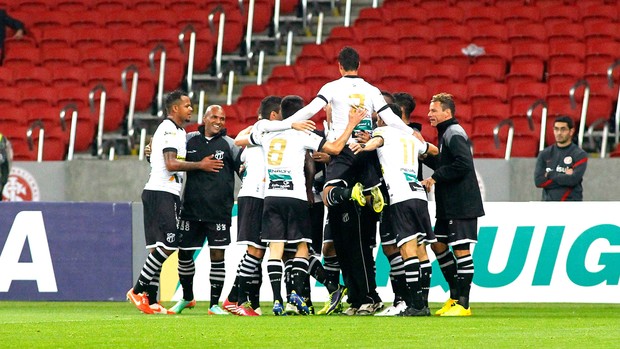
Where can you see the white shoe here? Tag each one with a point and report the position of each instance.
(393, 310)
(369, 308)
(291, 309)
(350, 311)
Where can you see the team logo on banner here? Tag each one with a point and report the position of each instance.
(21, 186)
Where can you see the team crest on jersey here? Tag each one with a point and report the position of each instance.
(170, 237)
(345, 217)
(568, 160)
(21, 186)
(219, 155)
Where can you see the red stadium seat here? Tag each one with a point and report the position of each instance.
(485, 72)
(521, 14)
(538, 52)
(414, 34)
(566, 52)
(489, 34)
(68, 76)
(483, 15)
(527, 33)
(560, 14)
(565, 32)
(60, 57)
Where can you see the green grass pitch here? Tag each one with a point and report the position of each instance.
(120, 325)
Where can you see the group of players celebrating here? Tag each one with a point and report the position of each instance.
(366, 168)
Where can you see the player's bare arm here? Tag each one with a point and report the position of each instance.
(355, 116)
(208, 164)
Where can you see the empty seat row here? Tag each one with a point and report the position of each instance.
(450, 34)
(477, 15)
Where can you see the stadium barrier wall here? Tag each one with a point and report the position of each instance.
(122, 180)
(527, 252)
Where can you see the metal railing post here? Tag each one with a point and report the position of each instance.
(319, 29)
(261, 65)
(161, 76)
(201, 106)
(584, 106)
(289, 47)
(73, 130)
(511, 132)
(231, 82)
(132, 95)
(543, 121)
(102, 101)
(142, 144)
(249, 28)
(191, 54)
(590, 134)
(347, 14)
(220, 39)
(610, 81)
(33, 125)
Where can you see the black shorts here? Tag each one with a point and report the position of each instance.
(249, 220)
(453, 232)
(193, 234)
(286, 220)
(410, 221)
(161, 210)
(386, 233)
(346, 169)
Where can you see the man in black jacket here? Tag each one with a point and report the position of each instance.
(8, 21)
(206, 213)
(458, 201)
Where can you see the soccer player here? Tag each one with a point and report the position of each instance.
(560, 167)
(244, 295)
(459, 204)
(286, 215)
(206, 213)
(161, 198)
(408, 209)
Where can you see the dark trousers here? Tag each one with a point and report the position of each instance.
(354, 230)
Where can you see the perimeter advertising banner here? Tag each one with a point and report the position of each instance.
(65, 251)
(526, 252)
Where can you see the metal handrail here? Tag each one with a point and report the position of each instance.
(162, 73)
(289, 48)
(261, 65)
(191, 54)
(231, 82)
(249, 28)
(610, 81)
(201, 106)
(142, 144)
(590, 134)
(543, 120)
(276, 24)
(584, 105)
(91, 100)
(511, 132)
(73, 130)
(319, 29)
(347, 14)
(220, 37)
(132, 95)
(39, 124)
